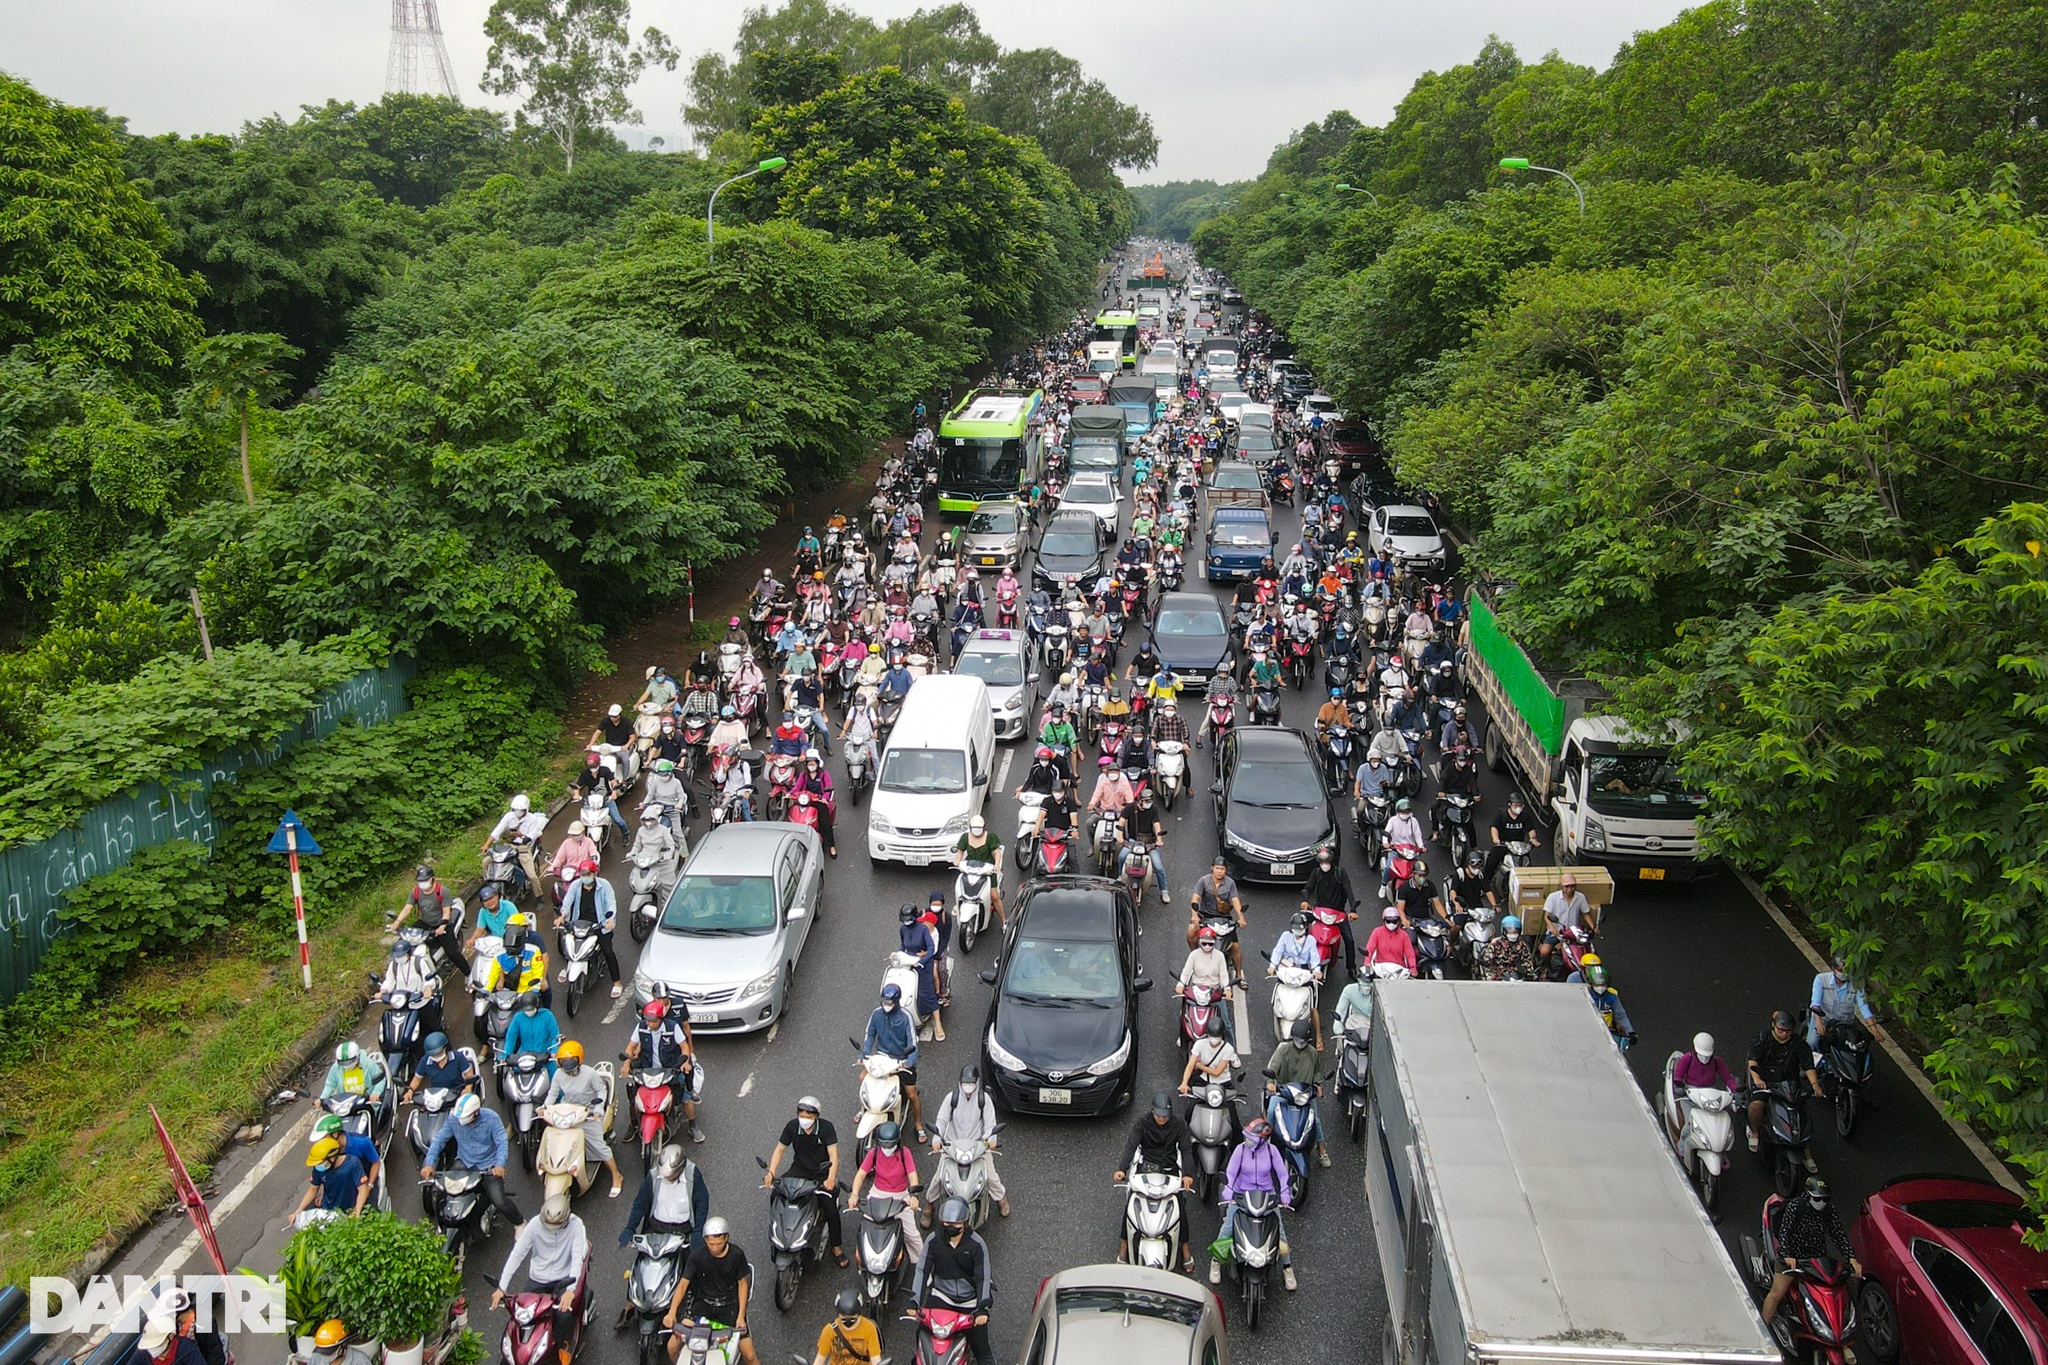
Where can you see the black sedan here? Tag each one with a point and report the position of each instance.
(1272, 808)
(1062, 1026)
(1069, 553)
(1191, 636)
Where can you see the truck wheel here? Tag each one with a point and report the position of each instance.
(1561, 848)
(1492, 750)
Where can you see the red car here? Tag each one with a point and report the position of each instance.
(1351, 445)
(1947, 1279)
(1087, 388)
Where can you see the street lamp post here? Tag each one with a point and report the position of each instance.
(1360, 189)
(1522, 163)
(773, 163)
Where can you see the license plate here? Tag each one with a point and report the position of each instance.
(988, 559)
(1047, 1095)
(1650, 874)
(1283, 869)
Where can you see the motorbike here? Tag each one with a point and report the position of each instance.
(860, 769)
(942, 1330)
(1054, 847)
(1170, 760)
(454, 1199)
(1301, 659)
(398, 1030)
(1254, 1248)
(1456, 816)
(1213, 1126)
(651, 1287)
(652, 878)
(1787, 1134)
(880, 1096)
(973, 900)
(1353, 1076)
(1817, 1319)
(501, 865)
(796, 1233)
(622, 761)
(1700, 1121)
(1371, 815)
(1102, 845)
(881, 1251)
(1326, 927)
(1478, 931)
(1152, 1218)
(523, 1084)
(1845, 1061)
(962, 1173)
(565, 1164)
(530, 1335)
(1296, 1131)
(1198, 1003)
(1222, 716)
(430, 1113)
(1432, 949)
(597, 821)
(1294, 997)
(579, 961)
(363, 1116)
(1025, 846)
(1406, 859)
(657, 1096)
(1265, 706)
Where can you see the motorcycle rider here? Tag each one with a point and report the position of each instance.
(1332, 712)
(1390, 943)
(665, 1041)
(730, 734)
(429, 903)
(657, 837)
(1214, 1058)
(1113, 792)
(1207, 967)
(967, 1116)
(1458, 732)
(337, 1181)
(590, 1088)
(1470, 887)
(1607, 1003)
(1835, 1000)
(1514, 824)
(1215, 897)
(850, 1338)
(478, 1136)
(891, 1032)
(574, 851)
(1808, 1229)
(1329, 887)
(857, 731)
(356, 1072)
(1404, 829)
(590, 899)
(597, 779)
(813, 1146)
(814, 781)
(520, 826)
(672, 1199)
(1257, 1164)
(1700, 1069)
(1567, 908)
(955, 1266)
(892, 1169)
(1296, 1062)
(980, 845)
(1160, 1141)
(533, 1029)
(441, 1068)
(717, 1280)
(665, 789)
(1774, 1058)
(1142, 820)
(1509, 954)
(414, 971)
(520, 964)
(1296, 947)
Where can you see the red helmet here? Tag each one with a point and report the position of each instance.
(653, 1011)
(589, 866)
(1045, 751)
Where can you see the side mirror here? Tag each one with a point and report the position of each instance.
(1142, 984)
(797, 912)
(1215, 789)
(988, 976)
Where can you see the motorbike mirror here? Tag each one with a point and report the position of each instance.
(988, 977)
(853, 1043)
(1267, 1072)
(762, 1162)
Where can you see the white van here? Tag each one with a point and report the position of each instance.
(935, 772)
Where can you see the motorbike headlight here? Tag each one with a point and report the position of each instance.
(878, 825)
(1596, 836)
(758, 987)
(1115, 1059)
(1002, 1056)
(956, 825)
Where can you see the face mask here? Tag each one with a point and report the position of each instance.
(888, 1007)
(967, 1092)
(1300, 1043)
(529, 1010)
(572, 1065)
(805, 1125)
(1818, 1204)
(441, 1056)
(887, 1148)
(590, 881)
(1323, 863)
(424, 887)
(1208, 947)
(1841, 978)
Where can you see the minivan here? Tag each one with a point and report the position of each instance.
(935, 771)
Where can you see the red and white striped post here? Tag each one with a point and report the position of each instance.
(291, 843)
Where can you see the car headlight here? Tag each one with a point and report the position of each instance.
(643, 985)
(1596, 836)
(1115, 1059)
(1015, 703)
(1003, 1057)
(956, 825)
(878, 825)
(1235, 844)
(758, 987)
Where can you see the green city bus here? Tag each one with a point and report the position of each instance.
(987, 448)
(1120, 329)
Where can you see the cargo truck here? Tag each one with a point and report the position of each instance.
(1522, 1197)
(1095, 440)
(1614, 793)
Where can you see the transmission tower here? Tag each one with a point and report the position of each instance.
(419, 59)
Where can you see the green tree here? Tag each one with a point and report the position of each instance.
(1046, 96)
(573, 60)
(236, 369)
(1979, 88)
(415, 149)
(1439, 146)
(83, 268)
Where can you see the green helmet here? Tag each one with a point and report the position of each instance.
(1596, 976)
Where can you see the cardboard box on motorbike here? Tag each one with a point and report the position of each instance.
(1528, 887)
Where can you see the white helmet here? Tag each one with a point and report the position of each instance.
(1703, 1045)
(521, 804)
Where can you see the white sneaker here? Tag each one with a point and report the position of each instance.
(1287, 1278)
(1215, 1271)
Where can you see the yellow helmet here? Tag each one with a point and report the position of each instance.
(1588, 961)
(330, 1334)
(569, 1048)
(322, 1150)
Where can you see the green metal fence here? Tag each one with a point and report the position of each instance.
(34, 877)
(1540, 706)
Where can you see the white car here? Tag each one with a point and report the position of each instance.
(1231, 405)
(1411, 532)
(1319, 405)
(1095, 494)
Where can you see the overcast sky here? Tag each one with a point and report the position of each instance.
(1224, 80)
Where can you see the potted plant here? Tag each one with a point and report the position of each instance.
(305, 1306)
(387, 1279)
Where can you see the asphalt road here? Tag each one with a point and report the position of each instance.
(1686, 957)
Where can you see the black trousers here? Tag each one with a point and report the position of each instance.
(494, 1192)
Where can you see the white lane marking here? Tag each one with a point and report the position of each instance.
(774, 1029)
(288, 1143)
(747, 1085)
(619, 1006)
(1003, 769)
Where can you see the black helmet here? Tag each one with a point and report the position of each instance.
(888, 1135)
(970, 1074)
(847, 1305)
(1302, 1028)
(953, 1213)
(906, 914)
(1300, 921)
(1816, 1191)
(1214, 1028)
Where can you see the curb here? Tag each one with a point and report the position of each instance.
(1977, 1146)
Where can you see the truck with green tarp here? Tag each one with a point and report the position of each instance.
(1614, 792)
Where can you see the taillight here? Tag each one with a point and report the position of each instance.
(1041, 1289)
(1222, 1316)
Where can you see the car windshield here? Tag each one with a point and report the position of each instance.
(1084, 388)
(719, 906)
(1273, 785)
(1351, 436)
(1220, 360)
(1059, 970)
(1073, 543)
(1135, 1302)
(1177, 622)
(1646, 784)
(1259, 439)
(923, 771)
(1095, 455)
(1240, 533)
(1411, 526)
(1090, 492)
(1226, 477)
(992, 667)
(1002, 522)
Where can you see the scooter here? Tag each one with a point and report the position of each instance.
(1134, 867)
(597, 821)
(656, 1104)
(501, 865)
(1817, 1319)
(1254, 1248)
(1701, 1125)
(523, 1084)
(1102, 845)
(1371, 816)
(1337, 758)
(942, 1329)
(881, 1251)
(881, 1098)
(1198, 1004)
(1432, 949)
(1292, 1112)
(1845, 1061)
(1326, 930)
(1152, 1218)
(622, 761)
(860, 769)
(962, 1173)
(1478, 931)
(1054, 847)
(363, 1116)
(651, 1287)
(430, 1112)
(1456, 822)
(652, 878)
(973, 900)
(530, 1335)
(1170, 763)
(454, 1199)
(1026, 843)
(1213, 1126)
(796, 1233)
(1787, 1134)
(901, 972)
(565, 1164)
(1294, 997)
(1354, 1078)
(579, 961)
(1265, 706)
(1222, 716)
(398, 1031)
